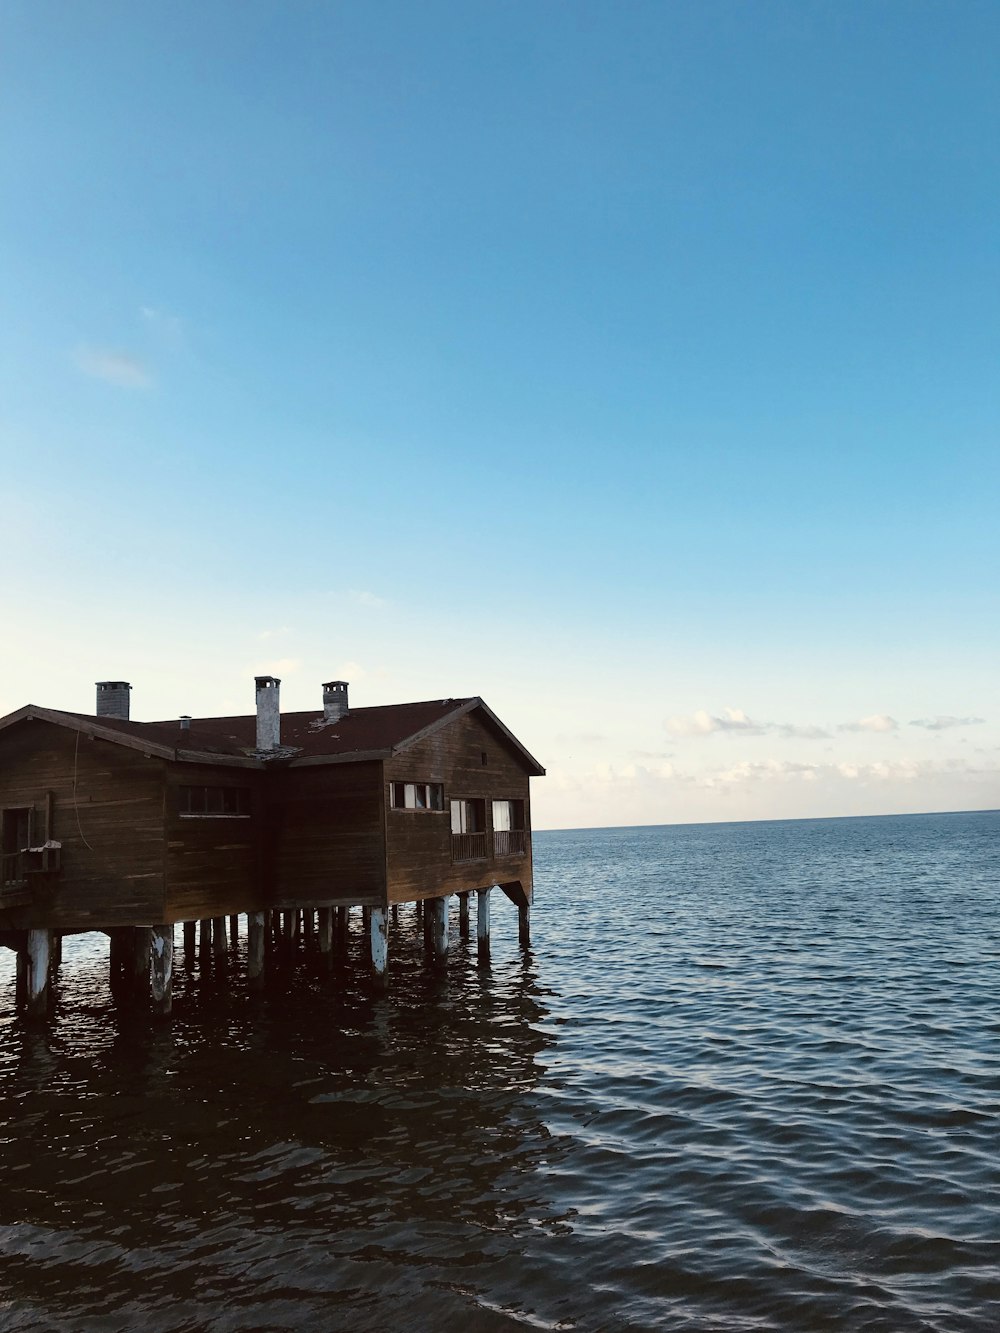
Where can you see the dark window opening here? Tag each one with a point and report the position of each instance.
(204, 802)
(15, 839)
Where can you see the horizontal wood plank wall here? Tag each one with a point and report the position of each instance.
(110, 824)
(418, 842)
(214, 864)
(326, 826)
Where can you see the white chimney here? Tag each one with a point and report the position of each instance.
(334, 700)
(112, 698)
(268, 713)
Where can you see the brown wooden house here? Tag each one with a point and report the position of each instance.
(111, 824)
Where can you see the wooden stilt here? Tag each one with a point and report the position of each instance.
(234, 928)
(205, 936)
(294, 922)
(483, 922)
(437, 912)
(524, 923)
(255, 949)
(378, 935)
(190, 931)
(38, 991)
(428, 923)
(161, 969)
(395, 914)
(21, 982)
(56, 950)
(219, 936)
(325, 930)
(118, 957)
(463, 915)
(137, 965)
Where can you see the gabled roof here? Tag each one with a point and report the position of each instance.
(306, 738)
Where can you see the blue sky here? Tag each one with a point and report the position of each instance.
(633, 366)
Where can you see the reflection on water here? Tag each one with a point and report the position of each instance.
(747, 1078)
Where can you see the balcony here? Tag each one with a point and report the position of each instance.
(468, 846)
(510, 842)
(14, 891)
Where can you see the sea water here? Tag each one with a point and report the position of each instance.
(745, 1077)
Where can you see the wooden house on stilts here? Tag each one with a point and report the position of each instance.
(131, 827)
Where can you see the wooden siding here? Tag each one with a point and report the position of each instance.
(419, 842)
(214, 864)
(107, 811)
(327, 836)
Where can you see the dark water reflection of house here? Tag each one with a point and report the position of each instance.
(322, 1158)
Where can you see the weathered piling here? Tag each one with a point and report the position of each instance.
(161, 954)
(256, 935)
(483, 922)
(378, 938)
(437, 912)
(38, 991)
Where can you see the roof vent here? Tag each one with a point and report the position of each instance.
(185, 721)
(112, 698)
(334, 700)
(268, 713)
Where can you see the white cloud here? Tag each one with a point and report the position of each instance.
(365, 598)
(273, 633)
(113, 367)
(944, 723)
(703, 723)
(877, 722)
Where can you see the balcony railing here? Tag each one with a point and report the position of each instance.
(11, 869)
(510, 842)
(468, 846)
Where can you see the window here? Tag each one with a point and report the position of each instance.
(416, 795)
(214, 802)
(468, 816)
(509, 833)
(468, 830)
(15, 838)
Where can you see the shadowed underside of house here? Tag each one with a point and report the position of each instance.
(129, 828)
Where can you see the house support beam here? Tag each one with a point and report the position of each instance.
(524, 923)
(256, 933)
(325, 930)
(37, 988)
(190, 940)
(378, 938)
(118, 957)
(463, 915)
(234, 928)
(205, 937)
(137, 965)
(340, 919)
(483, 921)
(516, 893)
(219, 936)
(161, 969)
(437, 913)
